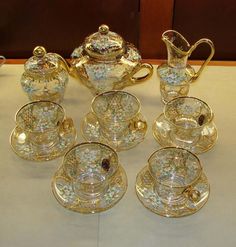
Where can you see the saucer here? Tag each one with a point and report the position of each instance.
(151, 200)
(163, 134)
(91, 131)
(62, 188)
(22, 146)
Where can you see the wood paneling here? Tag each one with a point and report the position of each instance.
(152, 61)
(155, 18)
(213, 19)
(60, 25)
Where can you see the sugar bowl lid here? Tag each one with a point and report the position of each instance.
(41, 61)
(104, 44)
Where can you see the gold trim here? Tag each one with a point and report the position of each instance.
(160, 142)
(36, 102)
(177, 148)
(188, 97)
(86, 143)
(114, 92)
(97, 210)
(169, 216)
(191, 49)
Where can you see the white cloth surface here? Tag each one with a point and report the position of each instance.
(30, 215)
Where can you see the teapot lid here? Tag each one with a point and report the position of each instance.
(104, 44)
(41, 62)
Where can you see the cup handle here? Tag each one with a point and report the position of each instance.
(192, 194)
(2, 60)
(140, 79)
(210, 43)
(138, 125)
(66, 126)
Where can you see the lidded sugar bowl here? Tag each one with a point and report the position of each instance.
(106, 62)
(45, 76)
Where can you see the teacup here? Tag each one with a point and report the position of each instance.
(42, 125)
(175, 171)
(187, 117)
(173, 183)
(93, 177)
(90, 166)
(116, 112)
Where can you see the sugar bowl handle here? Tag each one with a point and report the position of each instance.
(139, 79)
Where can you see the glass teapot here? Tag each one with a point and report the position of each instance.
(106, 62)
(45, 76)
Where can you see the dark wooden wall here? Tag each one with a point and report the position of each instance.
(194, 19)
(214, 19)
(61, 25)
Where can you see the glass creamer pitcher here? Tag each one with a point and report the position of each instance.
(176, 74)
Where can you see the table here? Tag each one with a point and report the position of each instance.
(30, 216)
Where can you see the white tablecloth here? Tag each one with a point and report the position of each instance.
(31, 217)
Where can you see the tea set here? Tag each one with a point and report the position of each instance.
(90, 178)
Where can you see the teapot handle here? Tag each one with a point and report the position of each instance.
(210, 43)
(140, 79)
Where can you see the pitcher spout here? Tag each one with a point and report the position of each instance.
(178, 49)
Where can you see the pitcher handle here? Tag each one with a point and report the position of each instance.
(210, 43)
(140, 79)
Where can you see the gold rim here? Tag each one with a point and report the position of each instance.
(188, 97)
(121, 92)
(37, 160)
(164, 215)
(118, 149)
(88, 143)
(160, 141)
(164, 38)
(35, 103)
(177, 148)
(74, 209)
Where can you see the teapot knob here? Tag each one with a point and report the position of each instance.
(103, 29)
(39, 51)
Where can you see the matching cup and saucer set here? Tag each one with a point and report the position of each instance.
(91, 178)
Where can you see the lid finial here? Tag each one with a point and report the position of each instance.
(103, 29)
(39, 51)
